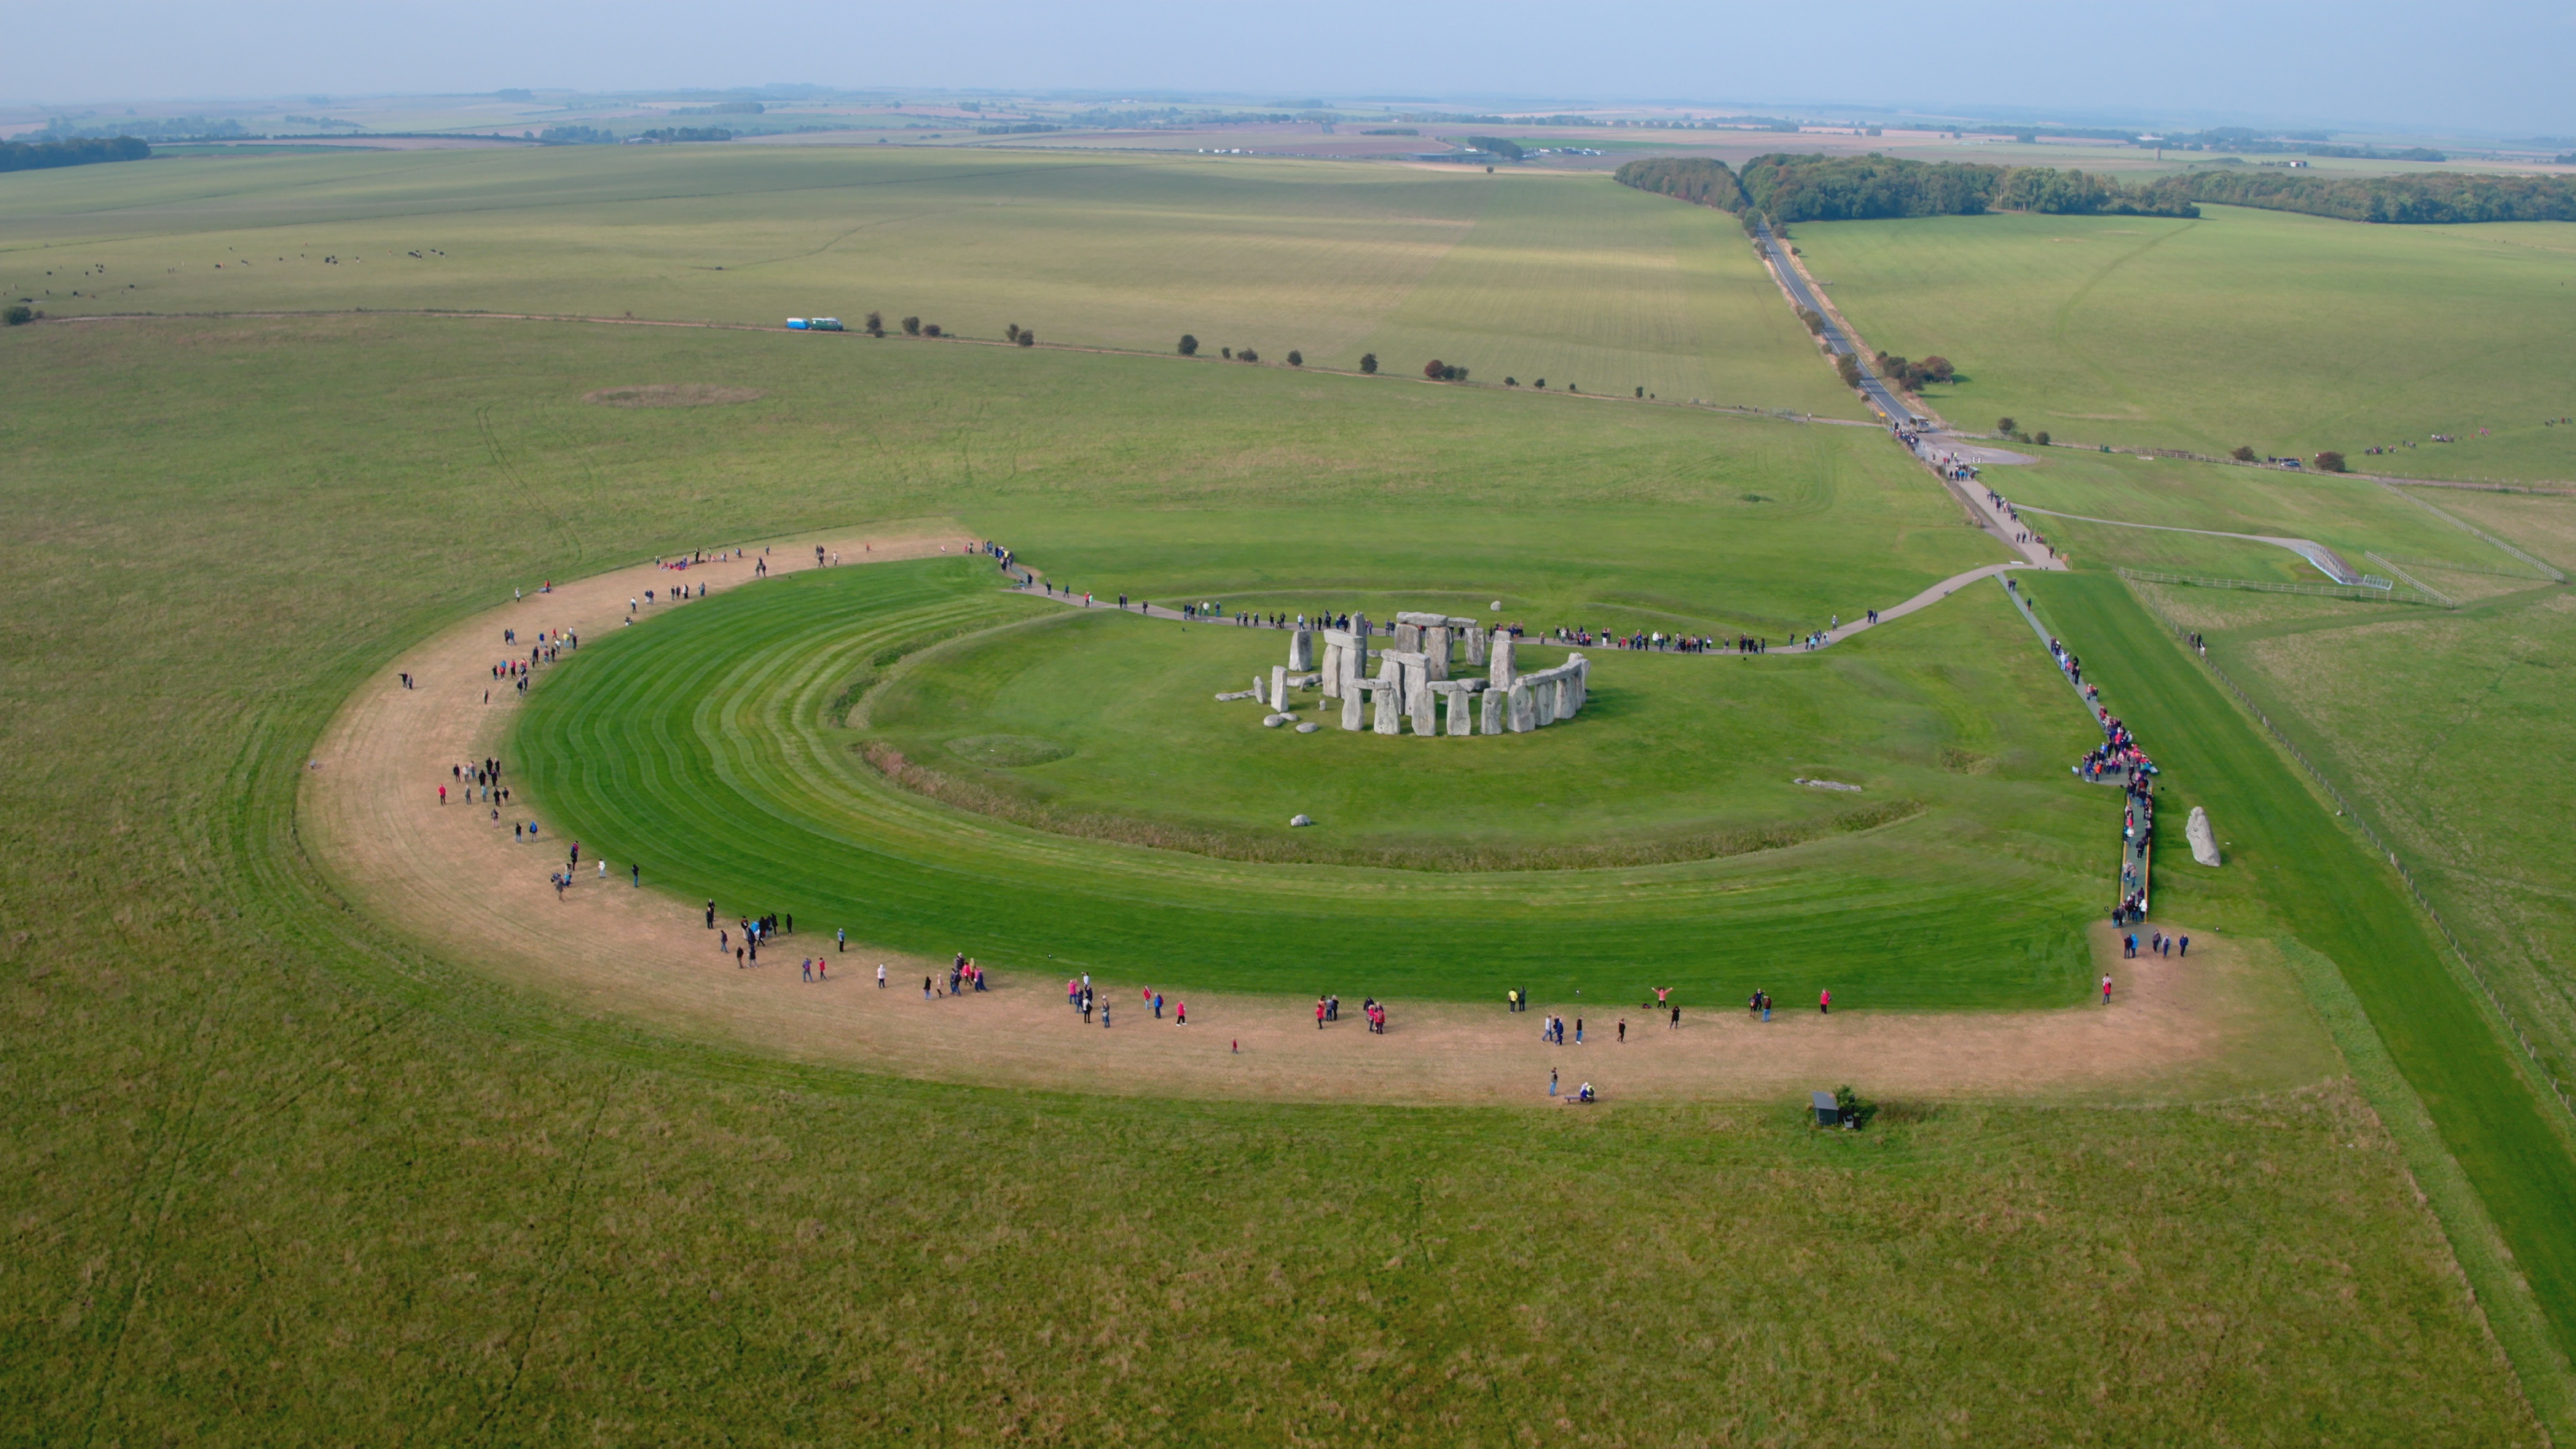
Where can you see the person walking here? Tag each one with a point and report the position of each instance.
(1551, 1081)
(1180, 1013)
(925, 994)
(880, 976)
(2106, 988)
(1623, 1031)
(1825, 1002)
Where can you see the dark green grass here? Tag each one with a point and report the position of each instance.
(700, 745)
(2328, 890)
(1953, 708)
(271, 1176)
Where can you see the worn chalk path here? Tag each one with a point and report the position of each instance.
(454, 880)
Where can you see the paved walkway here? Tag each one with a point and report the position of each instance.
(2328, 562)
(1835, 635)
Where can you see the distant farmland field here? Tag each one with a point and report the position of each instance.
(2286, 334)
(1569, 278)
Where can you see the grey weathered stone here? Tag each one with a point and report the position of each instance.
(1461, 704)
(1294, 821)
(1350, 706)
(1521, 721)
(1388, 692)
(1279, 685)
(1500, 667)
(1273, 721)
(1435, 650)
(1418, 619)
(1408, 637)
(1260, 689)
(1301, 650)
(2204, 840)
(1492, 711)
(1476, 642)
(1419, 702)
(1542, 696)
(1238, 694)
(1308, 727)
(1304, 681)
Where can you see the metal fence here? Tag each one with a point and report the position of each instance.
(2539, 1067)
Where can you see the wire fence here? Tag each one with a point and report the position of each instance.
(2456, 521)
(2513, 1024)
(2390, 593)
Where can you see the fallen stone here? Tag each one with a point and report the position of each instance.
(1825, 784)
(1238, 694)
(1308, 728)
(2204, 841)
(1273, 721)
(1295, 821)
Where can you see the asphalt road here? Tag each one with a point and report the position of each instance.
(1870, 386)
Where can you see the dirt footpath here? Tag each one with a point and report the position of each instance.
(2224, 1021)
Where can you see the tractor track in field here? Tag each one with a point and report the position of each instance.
(448, 877)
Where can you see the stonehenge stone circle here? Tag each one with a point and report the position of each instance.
(1414, 673)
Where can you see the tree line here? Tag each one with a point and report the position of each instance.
(1788, 188)
(2415, 199)
(37, 156)
(1851, 188)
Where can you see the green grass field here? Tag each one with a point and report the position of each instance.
(276, 1174)
(2287, 334)
(701, 746)
(1572, 279)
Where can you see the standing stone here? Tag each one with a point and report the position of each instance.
(1301, 650)
(1332, 676)
(1582, 682)
(1388, 687)
(1564, 706)
(1278, 686)
(1493, 705)
(1355, 659)
(1435, 650)
(1421, 701)
(1500, 669)
(1350, 706)
(1520, 720)
(1408, 637)
(1475, 643)
(2204, 840)
(1542, 693)
(1257, 696)
(1461, 720)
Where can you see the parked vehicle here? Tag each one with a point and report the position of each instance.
(815, 324)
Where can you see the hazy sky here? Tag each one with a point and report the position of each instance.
(2490, 65)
